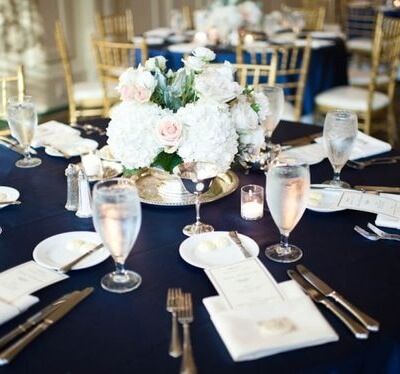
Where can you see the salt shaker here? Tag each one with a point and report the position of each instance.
(85, 198)
(71, 173)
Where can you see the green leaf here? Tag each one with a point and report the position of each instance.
(167, 161)
(255, 107)
(127, 173)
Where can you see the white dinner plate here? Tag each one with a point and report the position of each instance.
(79, 147)
(53, 252)
(8, 194)
(205, 258)
(324, 200)
(105, 154)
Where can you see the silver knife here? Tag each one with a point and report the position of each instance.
(34, 320)
(66, 268)
(15, 146)
(370, 323)
(377, 189)
(8, 354)
(359, 331)
(235, 237)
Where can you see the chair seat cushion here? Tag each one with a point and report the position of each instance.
(362, 77)
(359, 44)
(91, 91)
(351, 98)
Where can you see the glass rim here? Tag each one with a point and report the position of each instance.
(279, 162)
(342, 111)
(16, 98)
(98, 187)
(266, 86)
(256, 187)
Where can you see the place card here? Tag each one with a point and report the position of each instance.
(244, 283)
(25, 279)
(370, 203)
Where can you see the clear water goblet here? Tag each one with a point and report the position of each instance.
(22, 120)
(287, 190)
(117, 217)
(339, 135)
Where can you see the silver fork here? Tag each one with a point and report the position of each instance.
(383, 234)
(173, 297)
(366, 234)
(185, 317)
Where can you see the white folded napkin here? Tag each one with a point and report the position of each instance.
(51, 131)
(365, 146)
(11, 310)
(387, 221)
(264, 330)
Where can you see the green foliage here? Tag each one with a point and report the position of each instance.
(167, 161)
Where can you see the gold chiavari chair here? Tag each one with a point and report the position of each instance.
(187, 17)
(314, 17)
(372, 107)
(117, 27)
(291, 74)
(112, 58)
(85, 99)
(10, 85)
(254, 75)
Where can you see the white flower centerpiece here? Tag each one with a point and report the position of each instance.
(198, 113)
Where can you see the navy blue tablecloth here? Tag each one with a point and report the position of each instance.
(129, 333)
(328, 68)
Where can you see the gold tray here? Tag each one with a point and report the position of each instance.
(151, 187)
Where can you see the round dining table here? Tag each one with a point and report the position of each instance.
(130, 333)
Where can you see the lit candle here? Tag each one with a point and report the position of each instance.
(252, 202)
(213, 35)
(200, 38)
(248, 39)
(92, 165)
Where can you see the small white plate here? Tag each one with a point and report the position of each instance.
(324, 200)
(110, 169)
(10, 194)
(205, 258)
(53, 252)
(309, 153)
(80, 147)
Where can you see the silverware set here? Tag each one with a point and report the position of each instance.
(376, 234)
(321, 293)
(89, 128)
(359, 165)
(179, 304)
(39, 323)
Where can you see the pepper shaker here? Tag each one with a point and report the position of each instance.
(85, 198)
(71, 173)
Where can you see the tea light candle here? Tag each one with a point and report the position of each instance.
(213, 35)
(252, 202)
(92, 164)
(200, 38)
(248, 39)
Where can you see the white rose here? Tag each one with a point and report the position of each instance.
(243, 115)
(158, 61)
(194, 63)
(204, 54)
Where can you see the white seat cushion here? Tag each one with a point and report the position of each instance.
(359, 44)
(351, 98)
(362, 77)
(288, 112)
(92, 91)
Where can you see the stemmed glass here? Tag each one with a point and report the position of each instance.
(197, 178)
(276, 100)
(22, 119)
(340, 132)
(288, 186)
(117, 217)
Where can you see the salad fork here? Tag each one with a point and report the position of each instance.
(185, 317)
(383, 234)
(173, 297)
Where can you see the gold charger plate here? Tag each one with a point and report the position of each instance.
(150, 184)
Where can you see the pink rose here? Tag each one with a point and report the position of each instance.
(169, 133)
(142, 94)
(127, 93)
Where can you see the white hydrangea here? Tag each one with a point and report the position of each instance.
(243, 115)
(131, 133)
(210, 135)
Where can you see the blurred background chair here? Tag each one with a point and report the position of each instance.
(313, 17)
(374, 108)
(112, 59)
(85, 99)
(187, 17)
(117, 27)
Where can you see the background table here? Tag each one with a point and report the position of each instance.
(129, 333)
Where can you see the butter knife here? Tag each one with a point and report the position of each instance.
(66, 268)
(370, 323)
(8, 354)
(377, 189)
(235, 237)
(359, 331)
(34, 320)
(15, 146)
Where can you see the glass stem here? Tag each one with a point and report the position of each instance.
(336, 175)
(27, 154)
(284, 245)
(197, 204)
(119, 268)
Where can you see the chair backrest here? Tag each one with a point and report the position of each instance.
(385, 53)
(292, 63)
(359, 19)
(314, 17)
(11, 85)
(187, 17)
(117, 27)
(112, 58)
(65, 60)
(255, 74)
